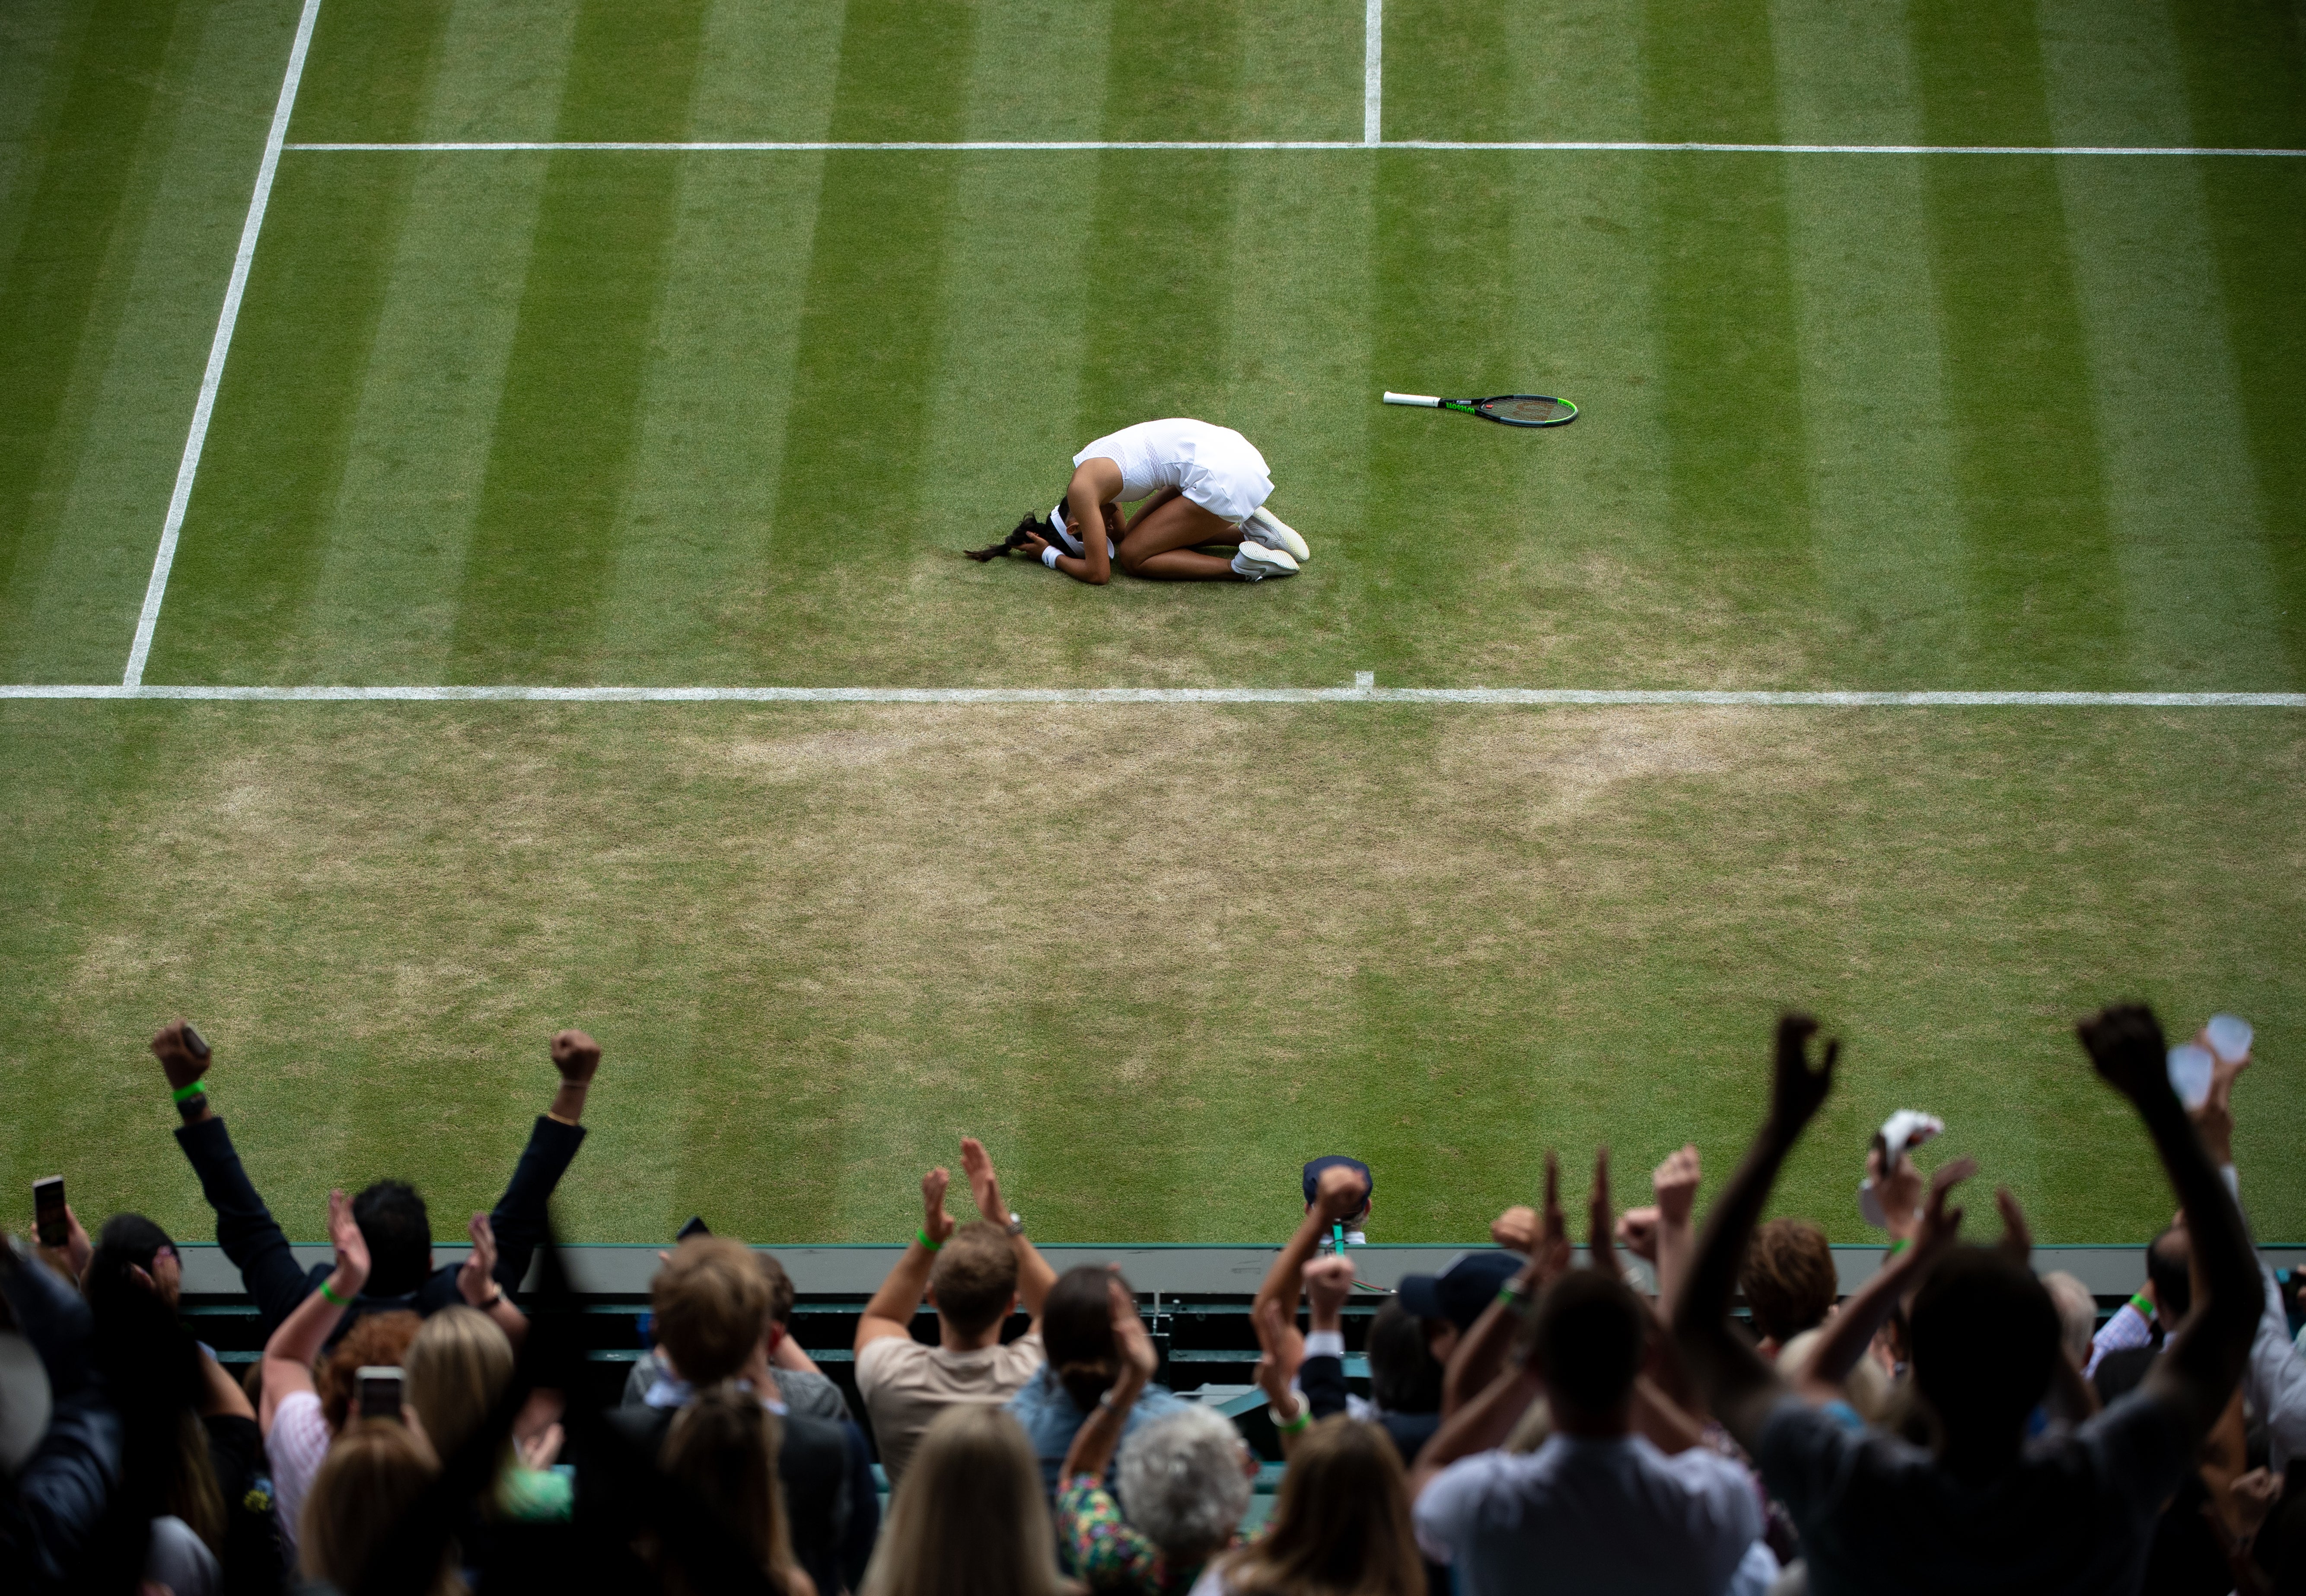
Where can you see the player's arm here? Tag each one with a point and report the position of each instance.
(1096, 484)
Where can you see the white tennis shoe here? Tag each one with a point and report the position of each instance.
(1263, 527)
(1257, 562)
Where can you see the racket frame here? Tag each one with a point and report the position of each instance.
(1473, 406)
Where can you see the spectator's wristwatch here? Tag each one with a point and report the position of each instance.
(1016, 1225)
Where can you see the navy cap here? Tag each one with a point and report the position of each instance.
(1468, 1284)
(1336, 1161)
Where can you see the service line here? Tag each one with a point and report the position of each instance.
(1364, 691)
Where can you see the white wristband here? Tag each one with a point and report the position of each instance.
(1049, 557)
(1324, 1344)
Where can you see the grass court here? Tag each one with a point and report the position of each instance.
(673, 417)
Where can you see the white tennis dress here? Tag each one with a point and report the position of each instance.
(1214, 467)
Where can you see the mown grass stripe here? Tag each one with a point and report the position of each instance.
(2245, 76)
(542, 552)
(253, 555)
(1722, 300)
(866, 363)
(51, 282)
(2044, 590)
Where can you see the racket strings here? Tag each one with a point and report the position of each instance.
(1528, 409)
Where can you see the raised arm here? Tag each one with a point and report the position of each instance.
(1340, 1194)
(890, 1312)
(2203, 1362)
(1674, 1185)
(477, 1281)
(1034, 1274)
(1092, 1449)
(1481, 1352)
(1851, 1331)
(288, 1355)
(1729, 1377)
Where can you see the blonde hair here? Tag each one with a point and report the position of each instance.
(1341, 1524)
(456, 1368)
(368, 1480)
(969, 1517)
(722, 1448)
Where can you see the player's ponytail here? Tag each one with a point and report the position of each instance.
(1031, 526)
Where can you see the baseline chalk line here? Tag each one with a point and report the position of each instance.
(188, 467)
(1364, 691)
(1373, 93)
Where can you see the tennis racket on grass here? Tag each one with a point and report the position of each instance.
(1512, 410)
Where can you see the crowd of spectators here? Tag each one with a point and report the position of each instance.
(1535, 1422)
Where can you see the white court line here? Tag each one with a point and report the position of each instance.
(1369, 114)
(189, 466)
(1362, 692)
(1373, 72)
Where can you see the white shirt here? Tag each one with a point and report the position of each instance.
(1214, 467)
(298, 1443)
(1615, 1516)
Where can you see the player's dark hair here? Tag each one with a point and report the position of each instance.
(392, 1219)
(1031, 526)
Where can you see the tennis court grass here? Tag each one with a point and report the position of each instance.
(668, 417)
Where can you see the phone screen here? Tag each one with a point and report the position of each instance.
(379, 1392)
(48, 1211)
(193, 1043)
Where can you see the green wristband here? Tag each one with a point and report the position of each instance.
(924, 1234)
(1295, 1425)
(185, 1094)
(2139, 1301)
(1900, 1245)
(1510, 1295)
(330, 1296)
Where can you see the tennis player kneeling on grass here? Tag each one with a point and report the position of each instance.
(1196, 487)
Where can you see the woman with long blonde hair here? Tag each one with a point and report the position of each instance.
(969, 1518)
(366, 1485)
(458, 1368)
(723, 1451)
(1340, 1526)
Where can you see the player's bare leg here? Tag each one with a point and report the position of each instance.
(1164, 537)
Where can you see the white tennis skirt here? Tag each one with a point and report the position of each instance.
(1214, 467)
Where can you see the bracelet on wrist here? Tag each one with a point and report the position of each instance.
(185, 1094)
(1900, 1245)
(328, 1294)
(923, 1235)
(1296, 1426)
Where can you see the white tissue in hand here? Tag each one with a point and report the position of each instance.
(1901, 1133)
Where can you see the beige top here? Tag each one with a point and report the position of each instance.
(906, 1385)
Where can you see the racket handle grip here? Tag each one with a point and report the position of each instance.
(1428, 400)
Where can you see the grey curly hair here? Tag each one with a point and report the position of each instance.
(1183, 1481)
